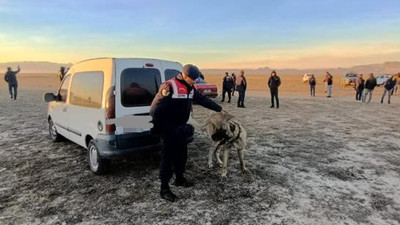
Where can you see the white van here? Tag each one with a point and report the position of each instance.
(103, 105)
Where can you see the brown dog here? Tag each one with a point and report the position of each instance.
(227, 134)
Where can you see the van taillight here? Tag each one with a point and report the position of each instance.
(149, 65)
(110, 111)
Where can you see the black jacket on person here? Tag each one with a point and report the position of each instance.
(370, 84)
(274, 82)
(166, 110)
(312, 81)
(390, 83)
(227, 83)
(11, 77)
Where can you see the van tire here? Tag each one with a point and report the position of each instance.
(54, 135)
(97, 164)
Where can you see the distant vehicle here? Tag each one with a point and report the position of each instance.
(209, 90)
(103, 105)
(349, 79)
(307, 77)
(380, 79)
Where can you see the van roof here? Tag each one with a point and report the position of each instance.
(113, 58)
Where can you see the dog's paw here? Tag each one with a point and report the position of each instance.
(210, 165)
(220, 164)
(246, 172)
(223, 177)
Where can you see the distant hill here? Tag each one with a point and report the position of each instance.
(387, 67)
(34, 67)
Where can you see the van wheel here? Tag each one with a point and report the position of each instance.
(98, 165)
(54, 135)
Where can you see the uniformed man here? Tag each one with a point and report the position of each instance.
(170, 110)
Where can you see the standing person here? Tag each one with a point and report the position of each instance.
(226, 87)
(233, 83)
(11, 78)
(370, 84)
(61, 73)
(273, 83)
(359, 87)
(170, 111)
(312, 83)
(388, 85)
(241, 86)
(329, 81)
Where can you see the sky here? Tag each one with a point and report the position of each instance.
(209, 33)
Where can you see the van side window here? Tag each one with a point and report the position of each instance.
(139, 86)
(62, 93)
(170, 73)
(87, 89)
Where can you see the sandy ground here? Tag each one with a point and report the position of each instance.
(314, 161)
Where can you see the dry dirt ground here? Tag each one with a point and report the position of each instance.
(314, 161)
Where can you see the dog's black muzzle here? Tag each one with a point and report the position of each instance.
(219, 135)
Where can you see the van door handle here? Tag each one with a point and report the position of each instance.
(64, 109)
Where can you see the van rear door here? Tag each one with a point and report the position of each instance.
(137, 82)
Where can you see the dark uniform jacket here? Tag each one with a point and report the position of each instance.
(390, 83)
(370, 84)
(359, 85)
(312, 81)
(11, 78)
(274, 82)
(174, 106)
(227, 83)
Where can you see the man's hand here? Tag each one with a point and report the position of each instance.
(225, 112)
(166, 90)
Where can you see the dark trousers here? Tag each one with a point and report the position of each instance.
(312, 90)
(274, 94)
(359, 94)
(12, 87)
(174, 153)
(241, 98)
(229, 94)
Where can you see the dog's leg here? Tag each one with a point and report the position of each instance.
(217, 156)
(211, 152)
(225, 162)
(241, 159)
(210, 155)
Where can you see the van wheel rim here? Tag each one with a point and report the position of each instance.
(93, 158)
(53, 131)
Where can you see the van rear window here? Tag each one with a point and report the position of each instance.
(139, 86)
(170, 73)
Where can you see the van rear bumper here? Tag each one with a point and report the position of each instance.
(126, 145)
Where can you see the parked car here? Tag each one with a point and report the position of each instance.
(103, 105)
(380, 79)
(209, 90)
(307, 77)
(349, 79)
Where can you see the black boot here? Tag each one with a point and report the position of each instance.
(182, 182)
(168, 195)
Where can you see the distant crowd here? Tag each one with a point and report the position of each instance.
(232, 83)
(363, 88)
